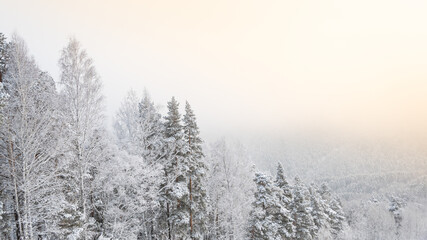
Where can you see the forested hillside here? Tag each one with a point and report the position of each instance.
(63, 175)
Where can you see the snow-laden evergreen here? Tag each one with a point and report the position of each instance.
(198, 200)
(318, 210)
(150, 132)
(285, 218)
(334, 211)
(174, 190)
(264, 219)
(301, 211)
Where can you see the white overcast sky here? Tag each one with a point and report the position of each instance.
(247, 65)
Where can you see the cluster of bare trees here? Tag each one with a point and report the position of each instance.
(49, 141)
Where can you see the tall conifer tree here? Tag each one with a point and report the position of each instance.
(333, 209)
(301, 212)
(196, 175)
(263, 220)
(285, 217)
(318, 208)
(174, 188)
(150, 132)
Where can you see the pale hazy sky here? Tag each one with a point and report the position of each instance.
(247, 65)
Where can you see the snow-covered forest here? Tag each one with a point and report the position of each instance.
(63, 175)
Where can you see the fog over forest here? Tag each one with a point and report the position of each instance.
(213, 120)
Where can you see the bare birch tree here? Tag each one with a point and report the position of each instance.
(82, 111)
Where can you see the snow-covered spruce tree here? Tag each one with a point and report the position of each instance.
(195, 176)
(318, 209)
(334, 211)
(285, 217)
(303, 220)
(151, 147)
(150, 133)
(267, 206)
(29, 145)
(82, 112)
(174, 190)
(337, 216)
